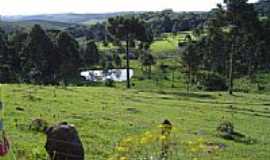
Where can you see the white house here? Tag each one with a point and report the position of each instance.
(118, 75)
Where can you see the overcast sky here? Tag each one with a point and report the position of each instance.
(28, 7)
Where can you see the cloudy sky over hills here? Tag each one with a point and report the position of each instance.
(28, 7)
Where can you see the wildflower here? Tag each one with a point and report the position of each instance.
(123, 158)
(121, 149)
(147, 133)
(143, 140)
(201, 146)
(160, 126)
(200, 140)
(146, 140)
(162, 137)
(127, 140)
(216, 147)
(190, 142)
(193, 149)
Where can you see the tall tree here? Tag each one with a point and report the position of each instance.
(148, 60)
(68, 48)
(4, 62)
(128, 29)
(17, 42)
(243, 18)
(190, 59)
(229, 46)
(90, 54)
(39, 58)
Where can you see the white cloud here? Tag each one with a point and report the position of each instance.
(23, 7)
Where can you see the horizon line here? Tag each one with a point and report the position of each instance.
(81, 13)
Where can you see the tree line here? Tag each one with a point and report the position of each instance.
(43, 57)
(233, 43)
(53, 56)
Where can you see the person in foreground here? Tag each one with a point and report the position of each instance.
(63, 142)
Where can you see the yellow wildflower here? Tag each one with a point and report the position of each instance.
(162, 137)
(190, 142)
(123, 158)
(193, 149)
(200, 140)
(121, 149)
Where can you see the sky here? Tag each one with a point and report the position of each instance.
(31, 7)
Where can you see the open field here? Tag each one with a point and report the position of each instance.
(167, 44)
(104, 116)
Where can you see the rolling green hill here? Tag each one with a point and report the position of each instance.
(106, 116)
(64, 18)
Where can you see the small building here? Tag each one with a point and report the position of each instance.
(118, 75)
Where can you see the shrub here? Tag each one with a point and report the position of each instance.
(109, 83)
(211, 81)
(226, 126)
(243, 85)
(260, 87)
(38, 125)
(226, 130)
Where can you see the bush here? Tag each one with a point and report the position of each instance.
(211, 81)
(243, 85)
(226, 126)
(226, 130)
(109, 83)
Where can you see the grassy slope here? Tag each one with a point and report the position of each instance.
(167, 45)
(102, 118)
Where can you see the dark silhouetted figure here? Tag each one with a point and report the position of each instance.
(63, 143)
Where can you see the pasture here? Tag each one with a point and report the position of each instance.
(106, 116)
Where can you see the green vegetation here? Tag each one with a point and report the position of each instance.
(105, 116)
(167, 44)
(177, 59)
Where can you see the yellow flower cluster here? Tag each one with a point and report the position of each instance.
(137, 144)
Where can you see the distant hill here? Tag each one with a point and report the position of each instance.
(64, 18)
(166, 21)
(27, 24)
(42, 23)
(55, 21)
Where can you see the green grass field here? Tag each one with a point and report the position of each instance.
(104, 116)
(167, 44)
